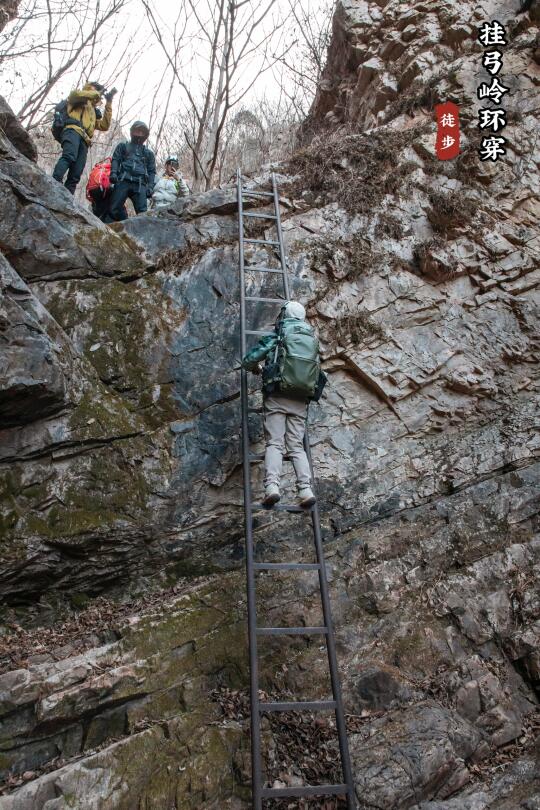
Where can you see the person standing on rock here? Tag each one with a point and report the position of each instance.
(170, 186)
(133, 173)
(292, 377)
(74, 125)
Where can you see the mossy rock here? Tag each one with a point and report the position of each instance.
(109, 254)
(125, 332)
(99, 415)
(107, 487)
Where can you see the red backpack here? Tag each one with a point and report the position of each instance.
(100, 177)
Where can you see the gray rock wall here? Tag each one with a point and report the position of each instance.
(120, 474)
(12, 128)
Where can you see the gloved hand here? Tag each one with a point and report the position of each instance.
(149, 192)
(113, 180)
(111, 94)
(257, 369)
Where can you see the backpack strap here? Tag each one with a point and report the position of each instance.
(61, 110)
(279, 342)
(128, 150)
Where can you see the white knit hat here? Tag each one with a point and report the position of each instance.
(293, 309)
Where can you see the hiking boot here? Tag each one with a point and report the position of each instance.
(307, 498)
(271, 495)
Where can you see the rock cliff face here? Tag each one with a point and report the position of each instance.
(392, 57)
(8, 11)
(123, 622)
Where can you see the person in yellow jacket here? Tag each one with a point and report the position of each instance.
(82, 118)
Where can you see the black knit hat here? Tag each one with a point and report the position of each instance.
(139, 125)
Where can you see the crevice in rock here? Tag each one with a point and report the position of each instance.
(523, 670)
(495, 472)
(79, 447)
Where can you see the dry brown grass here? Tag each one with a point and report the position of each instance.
(388, 225)
(467, 163)
(175, 261)
(345, 260)
(355, 328)
(428, 266)
(354, 170)
(423, 95)
(450, 210)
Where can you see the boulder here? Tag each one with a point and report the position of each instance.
(36, 364)
(11, 127)
(45, 234)
(122, 632)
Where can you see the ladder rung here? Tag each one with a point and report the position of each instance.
(286, 566)
(256, 410)
(256, 456)
(308, 790)
(291, 631)
(258, 332)
(261, 241)
(268, 300)
(281, 507)
(260, 456)
(258, 193)
(298, 706)
(263, 270)
(261, 216)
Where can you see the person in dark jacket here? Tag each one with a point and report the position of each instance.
(133, 173)
(84, 118)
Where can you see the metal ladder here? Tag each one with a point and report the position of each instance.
(258, 707)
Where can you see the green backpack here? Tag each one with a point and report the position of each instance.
(294, 368)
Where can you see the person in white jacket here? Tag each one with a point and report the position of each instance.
(170, 186)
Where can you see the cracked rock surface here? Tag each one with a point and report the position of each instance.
(122, 646)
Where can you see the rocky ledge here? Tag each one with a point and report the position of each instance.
(123, 638)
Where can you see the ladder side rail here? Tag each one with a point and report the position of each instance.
(330, 641)
(256, 770)
(282, 256)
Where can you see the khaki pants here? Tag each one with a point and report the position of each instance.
(284, 424)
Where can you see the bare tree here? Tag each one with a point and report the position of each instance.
(228, 36)
(57, 37)
(200, 93)
(255, 135)
(303, 55)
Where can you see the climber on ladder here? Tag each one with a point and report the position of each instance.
(292, 376)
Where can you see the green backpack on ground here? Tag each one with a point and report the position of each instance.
(294, 367)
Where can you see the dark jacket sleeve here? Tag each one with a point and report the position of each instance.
(265, 345)
(117, 160)
(151, 169)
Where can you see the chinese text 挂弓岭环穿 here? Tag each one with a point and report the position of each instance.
(492, 36)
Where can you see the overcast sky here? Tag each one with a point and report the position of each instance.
(128, 38)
